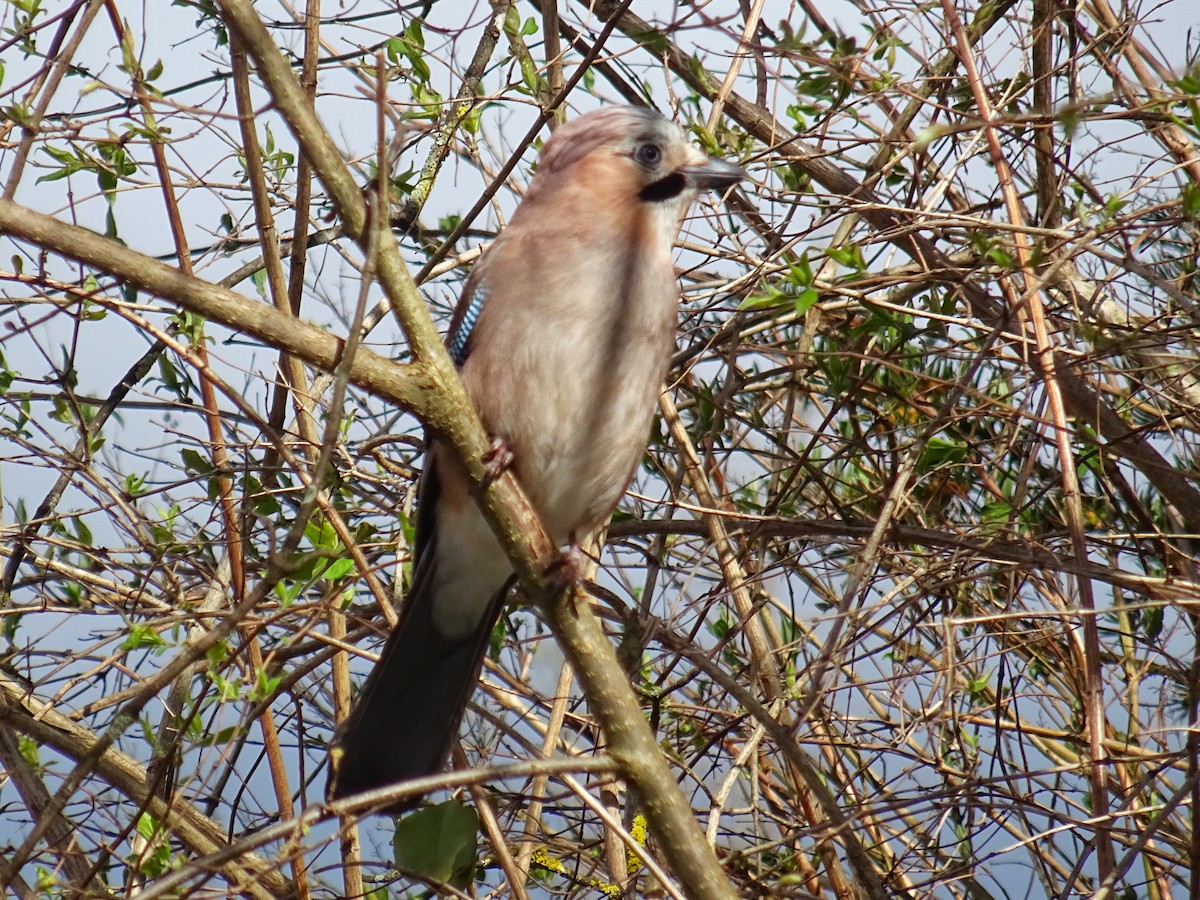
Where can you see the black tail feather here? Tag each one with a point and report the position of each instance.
(407, 715)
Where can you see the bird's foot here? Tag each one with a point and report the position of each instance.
(496, 461)
(568, 570)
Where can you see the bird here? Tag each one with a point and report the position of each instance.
(562, 337)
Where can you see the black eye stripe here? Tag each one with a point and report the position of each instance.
(663, 189)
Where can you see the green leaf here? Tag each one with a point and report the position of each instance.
(28, 748)
(977, 687)
(529, 74)
(194, 462)
(941, 451)
(338, 569)
(655, 42)
(771, 298)
(438, 843)
(70, 162)
(801, 273)
(220, 738)
(1150, 623)
(851, 257)
(512, 22)
(217, 653)
(265, 686)
(82, 533)
(147, 825)
(414, 35)
(996, 511)
(142, 635)
(320, 533)
(47, 884)
(807, 298)
(1191, 199)
(6, 375)
(228, 689)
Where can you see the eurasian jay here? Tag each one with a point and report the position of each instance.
(562, 338)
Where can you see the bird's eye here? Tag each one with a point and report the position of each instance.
(648, 154)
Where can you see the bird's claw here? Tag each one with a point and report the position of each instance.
(496, 461)
(568, 570)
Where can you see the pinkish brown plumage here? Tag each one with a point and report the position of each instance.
(563, 339)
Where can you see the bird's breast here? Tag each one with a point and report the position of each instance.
(572, 387)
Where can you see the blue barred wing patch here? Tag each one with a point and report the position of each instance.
(460, 338)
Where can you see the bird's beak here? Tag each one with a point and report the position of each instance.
(712, 173)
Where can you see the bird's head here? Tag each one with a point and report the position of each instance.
(630, 154)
